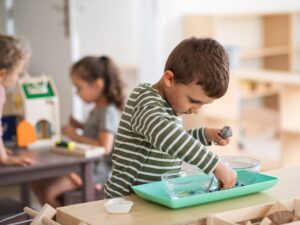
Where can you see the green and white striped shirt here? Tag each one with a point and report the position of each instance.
(151, 141)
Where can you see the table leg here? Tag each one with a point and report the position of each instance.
(25, 193)
(88, 187)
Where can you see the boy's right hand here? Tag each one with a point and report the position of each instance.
(19, 161)
(226, 176)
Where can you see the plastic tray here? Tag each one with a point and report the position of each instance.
(155, 192)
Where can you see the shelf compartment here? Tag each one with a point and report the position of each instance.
(265, 52)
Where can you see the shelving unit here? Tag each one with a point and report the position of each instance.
(268, 48)
(272, 38)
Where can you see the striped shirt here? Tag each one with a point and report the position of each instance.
(151, 141)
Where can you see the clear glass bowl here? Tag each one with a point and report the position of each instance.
(246, 167)
(187, 183)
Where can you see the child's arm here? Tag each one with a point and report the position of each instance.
(225, 175)
(155, 125)
(75, 123)
(105, 138)
(3, 153)
(199, 134)
(208, 135)
(13, 160)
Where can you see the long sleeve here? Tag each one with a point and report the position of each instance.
(151, 141)
(198, 133)
(155, 125)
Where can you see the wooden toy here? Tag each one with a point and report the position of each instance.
(40, 109)
(25, 134)
(276, 213)
(42, 217)
(78, 149)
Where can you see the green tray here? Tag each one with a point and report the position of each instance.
(155, 192)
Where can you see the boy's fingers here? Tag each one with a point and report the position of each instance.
(222, 142)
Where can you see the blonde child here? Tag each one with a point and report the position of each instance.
(13, 60)
(150, 139)
(97, 81)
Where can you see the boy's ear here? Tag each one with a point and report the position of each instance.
(168, 78)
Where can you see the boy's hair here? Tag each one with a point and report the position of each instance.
(203, 61)
(92, 68)
(12, 52)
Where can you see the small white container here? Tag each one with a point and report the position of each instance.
(118, 205)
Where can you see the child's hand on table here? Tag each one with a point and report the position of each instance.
(19, 161)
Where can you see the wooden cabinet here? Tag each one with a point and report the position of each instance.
(265, 60)
(267, 41)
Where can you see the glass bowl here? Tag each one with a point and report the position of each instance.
(246, 167)
(187, 183)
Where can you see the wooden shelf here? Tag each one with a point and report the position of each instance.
(267, 43)
(270, 76)
(265, 52)
(248, 94)
(263, 116)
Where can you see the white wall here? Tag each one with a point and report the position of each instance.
(42, 24)
(108, 27)
(104, 28)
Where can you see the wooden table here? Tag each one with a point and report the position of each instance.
(48, 164)
(145, 212)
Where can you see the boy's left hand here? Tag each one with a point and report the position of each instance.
(213, 135)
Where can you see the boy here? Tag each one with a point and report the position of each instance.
(150, 140)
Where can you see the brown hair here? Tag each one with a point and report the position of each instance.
(92, 68)
(204, 61)
(12, 52)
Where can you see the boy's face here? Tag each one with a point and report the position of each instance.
(186, 98)
(10, 78)
(88, 92)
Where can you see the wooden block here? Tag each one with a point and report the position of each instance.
(46, 212)
(247, 216)
(297, 208)
(292, 223)
(248, 223)
(266, 221)
(82, 223)
(278, 206)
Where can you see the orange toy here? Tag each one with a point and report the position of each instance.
(25, 134)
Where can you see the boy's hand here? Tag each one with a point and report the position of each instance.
(213, 135)
(225, 175)
(19, 161)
